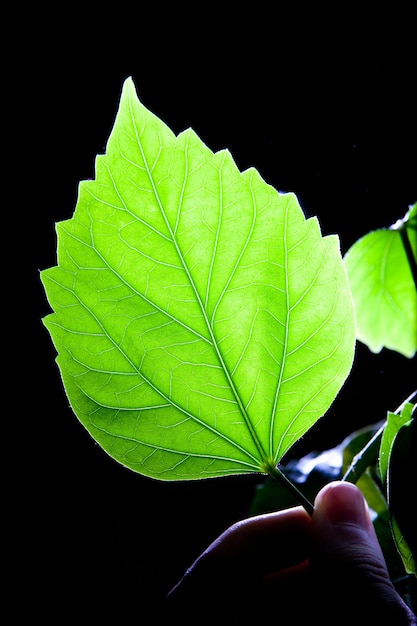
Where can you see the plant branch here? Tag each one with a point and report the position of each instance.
(358, 466)
(370, 451)
(365, 457)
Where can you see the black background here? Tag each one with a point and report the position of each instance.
(320, 104)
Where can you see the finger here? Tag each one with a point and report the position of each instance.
(265, 543)
(238, 561)
(346, 558)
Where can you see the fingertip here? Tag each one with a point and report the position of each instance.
(342, 502)
(346, 556)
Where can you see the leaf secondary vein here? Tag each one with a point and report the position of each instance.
(147, 380)
(215, 246)
(133, 290)
(158, 447)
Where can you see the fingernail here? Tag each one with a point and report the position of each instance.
(343, 502)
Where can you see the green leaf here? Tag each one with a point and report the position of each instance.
(383, 288)
(398, 472)
(402, 485)
(395, 421)
(202, 324)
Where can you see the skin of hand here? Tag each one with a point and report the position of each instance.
(291, 568)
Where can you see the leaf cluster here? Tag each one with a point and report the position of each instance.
(203, 325)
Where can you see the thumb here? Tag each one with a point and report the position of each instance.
(347, 561)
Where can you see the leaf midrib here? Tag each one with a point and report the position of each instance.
(239, 402)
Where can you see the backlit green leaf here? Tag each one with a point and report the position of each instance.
(202, 324)
(383, 288)
(398, 470)
(395, 421)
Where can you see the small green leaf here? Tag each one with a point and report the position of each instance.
(395, 421)
(402, 486)
(202, 324)
(409, 559)
(398, 472)
(383, 288)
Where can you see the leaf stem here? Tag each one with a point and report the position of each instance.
(280, 477)
(358, 466)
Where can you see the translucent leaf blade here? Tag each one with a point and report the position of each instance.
(202, 324)
(384, 291)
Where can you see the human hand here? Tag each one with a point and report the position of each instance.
(292, 568)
